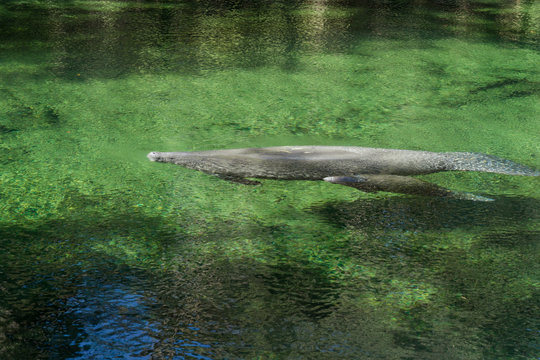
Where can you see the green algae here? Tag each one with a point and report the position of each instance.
(307, 260)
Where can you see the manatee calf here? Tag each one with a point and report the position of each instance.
(400, 184)
(346, 165)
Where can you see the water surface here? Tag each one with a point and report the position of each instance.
(105, 255)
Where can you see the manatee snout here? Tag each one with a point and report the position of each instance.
(169, 157)
(153, 156)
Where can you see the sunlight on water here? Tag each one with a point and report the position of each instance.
(104, 254)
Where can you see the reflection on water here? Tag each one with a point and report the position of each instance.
(105, 255)
(108, 319)
(111, 39)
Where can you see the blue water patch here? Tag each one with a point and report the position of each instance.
(112, 323)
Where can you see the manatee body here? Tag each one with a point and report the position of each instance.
(320, 162)
(401, 185)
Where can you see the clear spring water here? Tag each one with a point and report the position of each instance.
(105, 255)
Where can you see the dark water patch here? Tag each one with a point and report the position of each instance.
(69, 294)
(306, 288)
(492, 289)
(10, 154)
(497, 84)
(509, 88)
(110, 313)
(476, 272)
(82, 43)
(504, 89)
(76, 299)
(60, 292)
(251, 309)
(21, 113)
(512, 239)
(51, 115)
(420, 213)
(6, 130)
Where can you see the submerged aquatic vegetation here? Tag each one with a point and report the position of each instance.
(96, 240)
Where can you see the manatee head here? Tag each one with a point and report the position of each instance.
(168, 157)
(153, 156)
(191, 160)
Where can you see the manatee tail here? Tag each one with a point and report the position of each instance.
(468, 161)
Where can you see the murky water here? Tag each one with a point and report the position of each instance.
(105, 255)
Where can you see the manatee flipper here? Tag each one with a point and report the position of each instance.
(239, 180)
(400, 184)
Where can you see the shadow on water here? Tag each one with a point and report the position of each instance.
(421, 213)
(307, 288)
(139, 285)
(68, 291)
(71, 291)
(63, 299)
(478, 255)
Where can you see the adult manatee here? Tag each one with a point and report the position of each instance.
(347, 165)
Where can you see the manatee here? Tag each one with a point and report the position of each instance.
(402, 185)
(367, 169)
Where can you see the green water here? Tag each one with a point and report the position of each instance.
(104, 254)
